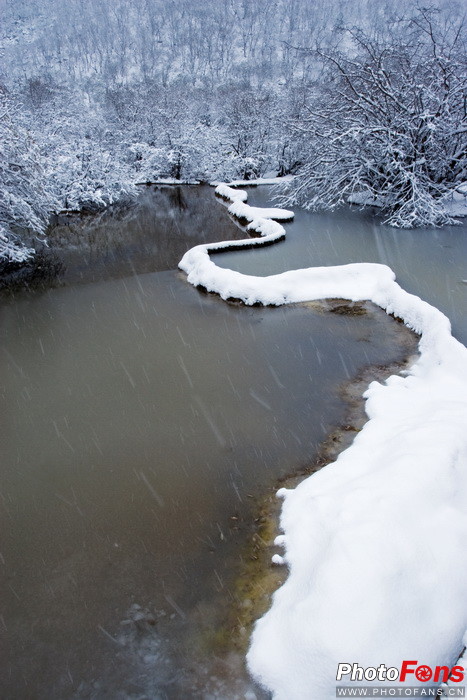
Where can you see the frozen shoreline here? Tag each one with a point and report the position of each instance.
(374, 540)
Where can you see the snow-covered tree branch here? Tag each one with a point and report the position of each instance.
(387, 122)
(25, 199)
(98, 96)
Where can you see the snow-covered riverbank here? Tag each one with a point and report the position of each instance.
(374, 541)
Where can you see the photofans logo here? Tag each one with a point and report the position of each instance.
(435, 678)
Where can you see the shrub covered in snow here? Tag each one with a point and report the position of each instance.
(204, 91)
(25, 195)
(387, 124)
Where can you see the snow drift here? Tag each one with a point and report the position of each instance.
(375, 541)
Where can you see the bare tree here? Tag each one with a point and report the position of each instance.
(25, 201)
(387, 123)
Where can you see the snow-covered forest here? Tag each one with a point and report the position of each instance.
(362, 102)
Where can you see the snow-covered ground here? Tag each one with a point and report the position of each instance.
(455, 204)
(269, 179)
(375, 541)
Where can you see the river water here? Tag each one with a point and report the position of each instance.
(141, 421)
(428, 262)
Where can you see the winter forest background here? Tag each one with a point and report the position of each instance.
(363, 102)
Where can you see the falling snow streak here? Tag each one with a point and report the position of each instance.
(351, 526)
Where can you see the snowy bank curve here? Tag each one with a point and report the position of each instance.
(375, 541)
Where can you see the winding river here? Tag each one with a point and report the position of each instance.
(142, 422)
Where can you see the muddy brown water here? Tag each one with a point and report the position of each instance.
(141, 422)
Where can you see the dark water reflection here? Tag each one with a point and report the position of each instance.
(151, 236)
(139, 418)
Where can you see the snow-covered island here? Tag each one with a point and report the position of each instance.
(374, 542)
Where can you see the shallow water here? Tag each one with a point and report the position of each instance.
(141, 418)
(431, 263)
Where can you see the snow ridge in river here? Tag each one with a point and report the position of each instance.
(375, 541)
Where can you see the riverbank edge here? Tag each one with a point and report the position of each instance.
(260, 576)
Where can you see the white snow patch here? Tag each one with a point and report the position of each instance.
(456, 205)
(277, 559)
(375, 541)
(172, 181)
(365, 199)
(257, 181)
(253, 214)
(227, 192)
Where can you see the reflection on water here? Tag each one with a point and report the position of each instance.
(152, 235)
(430, 263)
(140, 420)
